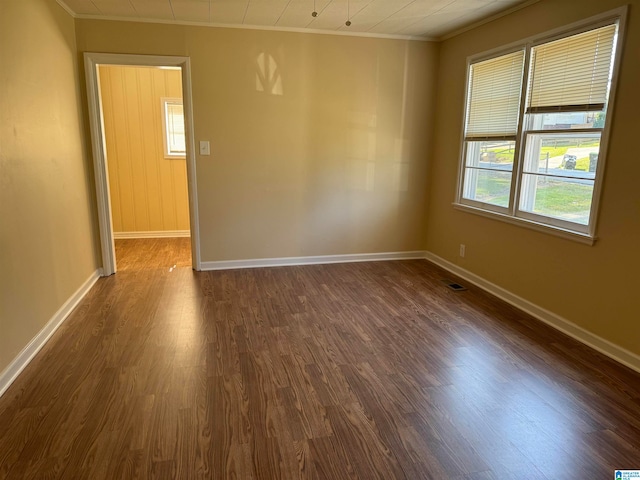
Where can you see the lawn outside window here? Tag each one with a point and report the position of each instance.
(535, 128)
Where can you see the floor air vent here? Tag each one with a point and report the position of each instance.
(454, 286)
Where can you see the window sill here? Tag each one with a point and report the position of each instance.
(540, 227)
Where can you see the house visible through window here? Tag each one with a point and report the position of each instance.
(173, 128)
(535, 121)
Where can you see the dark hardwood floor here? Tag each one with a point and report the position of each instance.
(346, 371)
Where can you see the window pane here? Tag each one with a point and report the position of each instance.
(496, 155)
(566, 120)
(487, 186)
(178, 144)
(563, 198)
(175, 134)
(562, 154)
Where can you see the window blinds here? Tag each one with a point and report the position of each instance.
(494, 97)
(572, 74)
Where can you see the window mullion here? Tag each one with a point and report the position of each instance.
(518, 154)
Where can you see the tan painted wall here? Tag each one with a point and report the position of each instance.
(594, 287)
(148, 191)
(46, 228)
(319, 143)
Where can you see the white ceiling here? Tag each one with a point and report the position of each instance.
(421, 18)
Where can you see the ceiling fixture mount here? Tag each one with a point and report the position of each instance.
(315, 12)
(348, 22)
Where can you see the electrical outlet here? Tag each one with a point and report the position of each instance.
(462, 250)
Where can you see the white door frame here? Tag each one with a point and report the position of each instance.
(91, 62)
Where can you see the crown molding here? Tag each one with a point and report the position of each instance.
(246, 27)
(67, 8)
(488, 19)
(418, 38)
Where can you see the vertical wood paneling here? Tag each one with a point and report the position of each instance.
(148, 191)
(154, 150)
(109, 133)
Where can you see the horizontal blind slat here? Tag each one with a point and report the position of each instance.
(494, 96)
(572, 71)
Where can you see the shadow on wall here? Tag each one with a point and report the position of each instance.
(268, 77)
(320, 147)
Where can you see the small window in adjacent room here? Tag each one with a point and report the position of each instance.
(536, 123)
(173, 128)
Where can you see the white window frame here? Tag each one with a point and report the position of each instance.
(168, 153)
(511, 214)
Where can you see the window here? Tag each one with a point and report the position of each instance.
(535, 120)
(173, 128)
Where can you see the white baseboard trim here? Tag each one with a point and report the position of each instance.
(8, 376)
(315, 260)
(611, 350)
(153, 234)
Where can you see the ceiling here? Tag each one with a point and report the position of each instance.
(430, 19)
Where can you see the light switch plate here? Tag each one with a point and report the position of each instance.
(205, 148)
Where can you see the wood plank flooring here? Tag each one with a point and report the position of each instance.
(145, 253)
(347, 371)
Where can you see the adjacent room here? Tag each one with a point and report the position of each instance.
(143, 127)
(326, 239)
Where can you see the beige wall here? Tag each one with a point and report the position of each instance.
(148, 191)
(319, 142)
(595, 287)
(46, 228)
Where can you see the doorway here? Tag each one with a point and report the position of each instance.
(144, 162)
